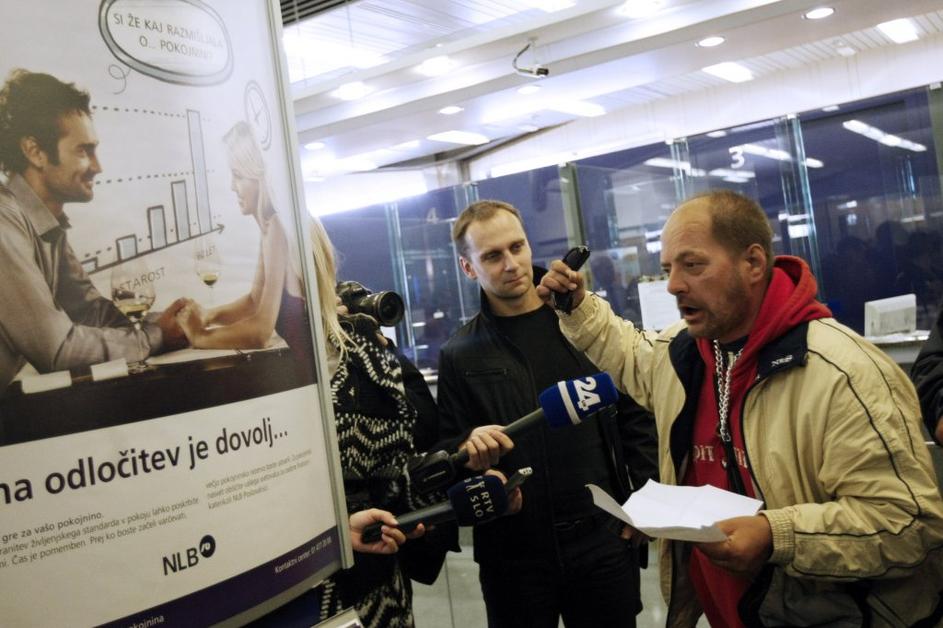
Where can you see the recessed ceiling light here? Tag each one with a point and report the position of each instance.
(717, 134)
(314, 145)
(459, 137)
(529, 89)
(710, 42)
(899, 31)
(831, 108)
(640, 8)
(450, 110)
(729, 71)
(352, 91)
(435, 66)
(818, 14)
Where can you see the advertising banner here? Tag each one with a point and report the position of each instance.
(165, 456)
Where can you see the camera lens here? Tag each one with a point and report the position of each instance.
(387, 307)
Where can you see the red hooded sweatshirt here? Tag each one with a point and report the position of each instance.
(789, 301)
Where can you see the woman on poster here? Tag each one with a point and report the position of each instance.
(275, 301)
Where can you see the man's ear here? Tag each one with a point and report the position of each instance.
(467, 267)
(755, 257)
(34, 154)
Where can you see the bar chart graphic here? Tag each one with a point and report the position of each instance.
(182, 222)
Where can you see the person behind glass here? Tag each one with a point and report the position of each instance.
(275, 302)
(53, 316)
(759, 391)
(927, 375)
(560, 556)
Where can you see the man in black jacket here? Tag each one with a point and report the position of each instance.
(560, 556)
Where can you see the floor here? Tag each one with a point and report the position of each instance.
(434, 607)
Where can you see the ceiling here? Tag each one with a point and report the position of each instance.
(599, 59)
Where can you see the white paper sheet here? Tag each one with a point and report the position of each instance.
(659, 308)
(680, 513)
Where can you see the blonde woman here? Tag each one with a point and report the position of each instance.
(276, 300)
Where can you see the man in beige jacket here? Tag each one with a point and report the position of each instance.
(759, 391)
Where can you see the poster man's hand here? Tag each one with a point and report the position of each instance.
(173, 334)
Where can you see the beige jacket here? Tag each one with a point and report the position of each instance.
(834, 445)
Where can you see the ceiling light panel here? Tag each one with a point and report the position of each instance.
(899, 31)
(451, 110)
(730, 71)
(436, 66)
(459, 137)
(352, 91)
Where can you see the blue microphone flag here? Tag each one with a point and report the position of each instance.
(571, 401)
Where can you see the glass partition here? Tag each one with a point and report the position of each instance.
(877, 203)
(538, 196)
(624, 199)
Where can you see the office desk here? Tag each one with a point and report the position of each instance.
(165, 387)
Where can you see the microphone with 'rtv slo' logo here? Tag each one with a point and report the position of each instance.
(471, 501)
(565, 403)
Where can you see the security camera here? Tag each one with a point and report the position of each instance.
(535, 71)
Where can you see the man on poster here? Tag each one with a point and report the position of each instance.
(51, 315)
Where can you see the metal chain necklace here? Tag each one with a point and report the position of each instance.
(723, 388)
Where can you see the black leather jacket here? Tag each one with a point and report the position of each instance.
(483, 380)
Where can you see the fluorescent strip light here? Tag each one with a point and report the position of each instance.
(729, 172)
(436, 66)
(683, 166)
(899, 31)
(314, 145)
(716, 134)
(459, 137)
(831, 108)
(352, 91)
(710, 42)
(450, 110)
(876, 134)
(529, 89)
(729, 71)
(578, 108)
(634, 9)
(819, 14)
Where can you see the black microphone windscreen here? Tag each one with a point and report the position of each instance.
(478, 499)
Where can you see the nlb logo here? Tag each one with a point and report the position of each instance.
(190, 557)
(586, 398)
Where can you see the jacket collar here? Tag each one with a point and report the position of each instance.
(782, 353)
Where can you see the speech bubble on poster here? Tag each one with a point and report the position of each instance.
(177, 41)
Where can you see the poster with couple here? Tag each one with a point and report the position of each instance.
(165, 449)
